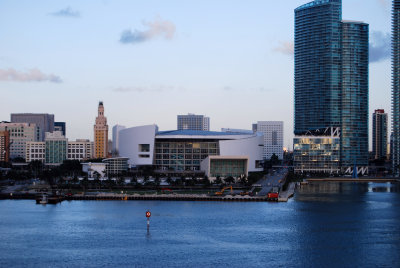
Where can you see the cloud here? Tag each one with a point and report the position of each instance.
(379, 48)
(32, 75)
(158, 27)
(66, 12)
(286, 48)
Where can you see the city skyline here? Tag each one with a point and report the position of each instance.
(149, 62)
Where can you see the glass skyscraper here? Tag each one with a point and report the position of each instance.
(331, 80)
(396, 85)
(317, 65)
(354, 111)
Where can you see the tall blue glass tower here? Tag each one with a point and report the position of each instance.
(354, 112)
(331, 77)
(396, 85)
(318, 63)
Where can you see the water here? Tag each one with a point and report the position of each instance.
(347, 225)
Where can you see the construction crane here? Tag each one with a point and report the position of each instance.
(223, 189)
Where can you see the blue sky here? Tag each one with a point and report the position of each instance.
(151, 60)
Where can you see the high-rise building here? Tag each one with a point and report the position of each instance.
(60, 126)
(115, 138)
(193, 122)
(4, 146)
(101, 134)
(45, 122)
(331, 85)
(379, 134)
(273, 138)
(396, 86)
(20, 134)
(56, 148)
(354, 96)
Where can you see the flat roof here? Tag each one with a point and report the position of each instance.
(197, 133)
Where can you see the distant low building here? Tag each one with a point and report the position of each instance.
(193, 122)
(273, 138)
(116, 166)
(95, 169)
(4, 146)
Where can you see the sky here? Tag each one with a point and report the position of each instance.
(149, 61)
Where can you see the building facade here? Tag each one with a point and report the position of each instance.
(80, 149)
(20, 134)
(317, 151)
(379, 134)
(273, 138)
(395, 152)
(115, 138)
(331, 78)
(101, 134)
(354, 97)
(4, 146)
(225, 166)
(193, 122)
(45, 122)
(183, 151)
(60, 126)
(56, 148)
(35, 151)
(116, 166)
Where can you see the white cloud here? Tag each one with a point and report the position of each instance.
(158, 27)
(32, 75)
(286, 48)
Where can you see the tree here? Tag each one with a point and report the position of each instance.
(230, 180)
(274, 159)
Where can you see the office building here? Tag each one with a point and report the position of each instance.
(45, 122)
(182, 151)
(80, 149)
(273, 138)
(395, 152)
(193, 122)
(20, 134)
(331, 79)
(56, 148)
(101, 134)
(60, 126)
(379, 134)
(4, 146)
(35, 151)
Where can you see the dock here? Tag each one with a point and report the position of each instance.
(285, 195)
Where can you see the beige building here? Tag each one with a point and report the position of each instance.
(80, 149)
(101, 134)
(20, 134)
(35, 150)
